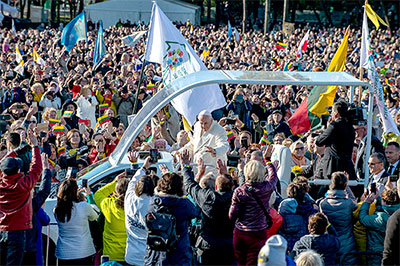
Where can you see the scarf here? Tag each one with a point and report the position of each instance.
(299, 161)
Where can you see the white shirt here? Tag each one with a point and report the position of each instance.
(74, 239)
(379, 186)
(135, 213)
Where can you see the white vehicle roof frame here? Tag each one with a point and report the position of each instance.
(179, 86)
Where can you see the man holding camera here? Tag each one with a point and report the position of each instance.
(338, 139)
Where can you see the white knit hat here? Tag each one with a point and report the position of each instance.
(273, 253)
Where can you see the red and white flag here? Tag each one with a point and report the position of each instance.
(303, 46)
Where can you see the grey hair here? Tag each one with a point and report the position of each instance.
(309, 258)
(254, 172)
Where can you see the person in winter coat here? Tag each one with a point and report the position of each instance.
(338, 206)
(277, 126)
(87, 106)
(71, 122)
(295, 218)
(124, 102)
(50, 99)
(240, 106)
(169, 196)
(137, 199)
(16, 204)
(391, 254)
(322, 239)
(360, 232)
(338, 139)
(251, 225)
(376, 223)
(110, 199)
(215, 241)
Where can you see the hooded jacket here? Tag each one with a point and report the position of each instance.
(15, 196)
(376, 228)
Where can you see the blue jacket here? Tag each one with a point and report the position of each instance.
(183, 210)
(294, 225)
(339, 208)
(376, 229)
(327, 245)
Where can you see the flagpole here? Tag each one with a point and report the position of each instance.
(360, 87)
(138, 87)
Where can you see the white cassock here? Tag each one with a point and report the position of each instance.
(215, 138)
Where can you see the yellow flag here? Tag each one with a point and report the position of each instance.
(37, 58)
(186, 125)
(337, 64)
(374, 17)
(18, 56)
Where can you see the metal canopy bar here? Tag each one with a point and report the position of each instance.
(193, 80)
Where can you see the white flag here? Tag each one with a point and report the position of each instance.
(167, 46)
(13, 30)
(18, 56)
(367, 61)
(132, 39)
(302, 46)
(20, 68)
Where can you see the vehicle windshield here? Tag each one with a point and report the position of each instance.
(90, 168)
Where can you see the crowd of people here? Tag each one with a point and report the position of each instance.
(240, 193)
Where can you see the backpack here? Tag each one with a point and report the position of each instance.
(161, 230)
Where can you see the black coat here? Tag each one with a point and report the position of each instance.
(376, 146)
(215, 238)
(338, 139)
(391, 254)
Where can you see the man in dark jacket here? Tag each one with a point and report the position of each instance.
(338, 139)
(19, 150)
(16, 204)
(277, 126)
(215, 240)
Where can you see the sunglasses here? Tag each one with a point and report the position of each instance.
(299, 149)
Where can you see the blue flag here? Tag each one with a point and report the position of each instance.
(100, 49)
(229, 31)
(74, 31)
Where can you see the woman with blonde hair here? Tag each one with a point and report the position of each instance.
(37, 91)
(298, 151)
(250, 211)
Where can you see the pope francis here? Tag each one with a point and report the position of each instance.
(209, 142)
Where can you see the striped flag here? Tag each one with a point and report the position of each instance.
(264, 140)
(58, 130)
(103, 107)
(67, 114)
(104, 119)
(230, 135)
(18, 56)
(150, 87)
(60, 151)
(53, 122)
(280, 45)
